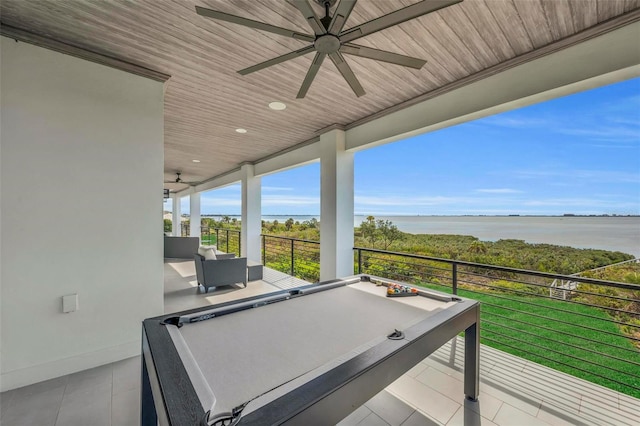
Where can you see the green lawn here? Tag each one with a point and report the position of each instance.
(539, 338)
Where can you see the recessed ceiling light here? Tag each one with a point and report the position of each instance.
(196, 161)
(241, 130)
(278, 106)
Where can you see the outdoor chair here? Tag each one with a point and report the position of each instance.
(220, 272)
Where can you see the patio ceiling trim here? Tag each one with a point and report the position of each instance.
(28, 37)
(613, 56)
(575, 39)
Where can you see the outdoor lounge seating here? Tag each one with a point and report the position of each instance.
(180, 247)
(220, 271)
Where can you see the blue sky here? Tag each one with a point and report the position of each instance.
(577, 154)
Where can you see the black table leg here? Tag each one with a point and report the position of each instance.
(472, 360)
(148, 416)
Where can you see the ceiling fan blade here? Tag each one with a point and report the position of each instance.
(394, 18)
(307, 11)
(341, 15)
(347, 73)
(311, 74)
(382, 55)
(209, 13)
(279, 59)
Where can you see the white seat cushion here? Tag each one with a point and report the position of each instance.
(203, 249)
(209, 254)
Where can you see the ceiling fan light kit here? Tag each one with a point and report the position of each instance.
(330, 39)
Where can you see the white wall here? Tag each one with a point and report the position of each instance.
(81, 181)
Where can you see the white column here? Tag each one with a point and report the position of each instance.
(176, 216)
(336, 206)
(194, 219)
(251, 214)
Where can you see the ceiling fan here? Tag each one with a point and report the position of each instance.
(330, 39)
(179, 180)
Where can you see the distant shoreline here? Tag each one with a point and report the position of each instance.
(604, 232)
(433, 215)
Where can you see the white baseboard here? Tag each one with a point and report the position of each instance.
(38, 373)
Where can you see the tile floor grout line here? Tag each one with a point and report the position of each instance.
(61, 400)
(410, 414)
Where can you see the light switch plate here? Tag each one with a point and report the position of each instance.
(70, 303)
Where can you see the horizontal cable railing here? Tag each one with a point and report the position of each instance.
(226, 240)
(591, 331)
(296, 257)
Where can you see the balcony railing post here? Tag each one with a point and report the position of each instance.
(292, 259)
(239, 245)
(217, 238)
(264, 250)
(454, 277)
(359, 261)
(227, 241)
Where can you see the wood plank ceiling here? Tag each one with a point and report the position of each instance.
(206, 99)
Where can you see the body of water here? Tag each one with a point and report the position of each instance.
(613, 233)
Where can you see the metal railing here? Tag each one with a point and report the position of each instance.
(593, 334)
(226, 240)
(296, 257)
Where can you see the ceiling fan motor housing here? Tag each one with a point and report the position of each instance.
(327, 43)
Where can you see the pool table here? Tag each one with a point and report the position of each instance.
(306, 356)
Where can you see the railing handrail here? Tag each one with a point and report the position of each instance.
(595, 281)
(289, 238)
(223, 229)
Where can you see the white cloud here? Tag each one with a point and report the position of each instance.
(518, 122)
(220, 202)
(290, 200)
(382, 200)
(616, 133)
(584, 175)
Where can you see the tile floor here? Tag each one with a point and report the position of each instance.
(513, 391)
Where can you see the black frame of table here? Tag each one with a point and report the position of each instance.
(169, 398)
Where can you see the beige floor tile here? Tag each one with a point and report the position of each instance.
(417, 369)
(356, 417)
(40, 408)
(601, 411)
(81, 381)
(526, 403)
(127, 375)
(5, 402)
(93, 413)
(559, 416)
(629, 403)
(447, 385)
(125, 408)
(420, 419)
(44, 386)
(486, 405)
(444, 368)
(465, 416)
(184, 268)
(509, 415)
(424, 398)
(554, 385)
(373, 420)
(389, 408)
